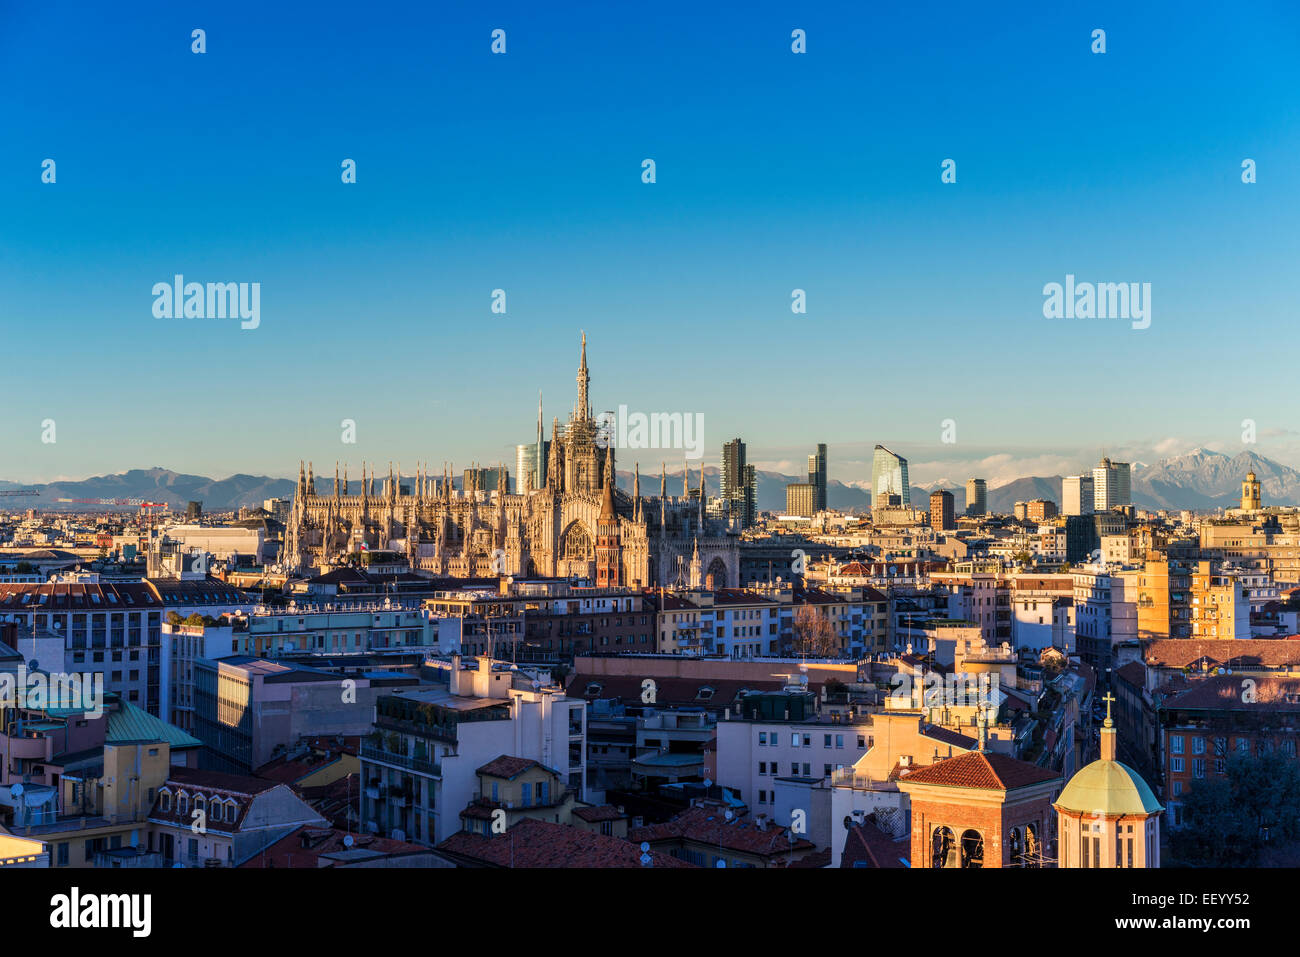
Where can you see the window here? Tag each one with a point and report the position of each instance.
(1176, 744)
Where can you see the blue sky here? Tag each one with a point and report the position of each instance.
(775, 171)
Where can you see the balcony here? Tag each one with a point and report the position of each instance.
(29, 748)
(379, 755)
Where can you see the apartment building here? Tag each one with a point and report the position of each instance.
(240, 817)
(420, 765)
(82, 782)
(1202, 727)
(1105, 614)
(248, 710)
(1219, 607)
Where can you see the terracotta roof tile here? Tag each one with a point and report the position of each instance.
(980, 769)
(535, 843)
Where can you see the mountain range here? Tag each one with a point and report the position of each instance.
(1200, 480)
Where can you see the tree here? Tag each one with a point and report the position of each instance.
(195, 620)
(1227, 821)
(174, 619)
(813, 636)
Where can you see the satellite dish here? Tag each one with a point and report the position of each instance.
(721, 863)
(16, 791)
(348, 841)
(33, 665)
(728, 815)
(708, 782)
(645, 847)
(645, 859)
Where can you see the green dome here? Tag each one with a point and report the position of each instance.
(1108, 787)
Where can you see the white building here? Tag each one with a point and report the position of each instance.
(1077, 495)
(1105, 612)
(419, 768)
(1111, 485)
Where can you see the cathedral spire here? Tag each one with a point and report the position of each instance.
(584, 380)
(686, 479)
(336, 478)
(636, 492)
(345, 478)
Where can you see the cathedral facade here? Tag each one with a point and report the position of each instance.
(578, 524)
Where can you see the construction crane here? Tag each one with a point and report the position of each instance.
(24, 492)
(147, 508)
(106, 501)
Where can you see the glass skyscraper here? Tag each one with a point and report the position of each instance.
(889, 484)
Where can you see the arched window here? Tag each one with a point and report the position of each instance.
(165, 799)
(1033, 851)
(972, 849)
(943, 848)
(183, 803)
(1016, 847)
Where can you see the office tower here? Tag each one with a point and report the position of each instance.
(942, 515)
(750, 515)
(799, 498)
(530, 466)
(817, 477)
(739, 483)
(482, 479)
(1077, 496)
(1111, 485)
(977, 497)
(889, 485)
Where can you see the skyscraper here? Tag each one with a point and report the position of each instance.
(1077, 496)
(942, 517)
(799, 499)
(1111, 484)
(977, 497)
(739, 483)
(889, 486)
(817, 477)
